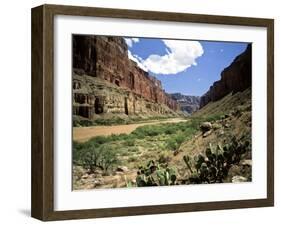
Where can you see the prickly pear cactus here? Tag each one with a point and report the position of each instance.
(214, 166)
(155, 175)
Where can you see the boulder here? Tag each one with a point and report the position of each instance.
(246, 162)
(205, 126)
(238, 179)
(221, 132)
(122, 169)
(227, 125)
(85, 176)
(207, 133)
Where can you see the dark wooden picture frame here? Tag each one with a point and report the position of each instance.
(43, 120)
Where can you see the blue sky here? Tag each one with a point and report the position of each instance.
(188, 67)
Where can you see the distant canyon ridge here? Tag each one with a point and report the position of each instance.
(188, 104)
(107, 82)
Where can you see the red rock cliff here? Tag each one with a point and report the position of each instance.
(107, 58)
(237, 77)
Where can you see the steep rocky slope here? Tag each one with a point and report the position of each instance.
(226, 104)
(237, 77)
(188, 104)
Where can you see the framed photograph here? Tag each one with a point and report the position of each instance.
(141, 112)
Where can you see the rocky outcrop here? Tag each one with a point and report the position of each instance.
(188, 104)
(235, 78)
(105, 80)
(94, 96)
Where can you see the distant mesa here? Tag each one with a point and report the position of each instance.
(235, 78)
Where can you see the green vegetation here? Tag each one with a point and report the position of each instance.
(215, 165)
(155, 175)
(116, 120)
(168, 153)
(151, 141)
(95, 155)
(82, 122)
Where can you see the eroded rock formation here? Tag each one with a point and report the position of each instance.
(237, 77)
(188, 104)
(105, 80)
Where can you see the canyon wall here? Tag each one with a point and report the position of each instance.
(188, 104)
(237, 77)
(105, 80)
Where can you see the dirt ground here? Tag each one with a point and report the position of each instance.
(82, 134)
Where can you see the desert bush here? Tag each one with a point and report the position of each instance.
(82, 122)
(132, 159)
(93, 156)
(133, 149)
(77, 151)
(171, 144)
(169, 131)
(129, 142)
(213, 117)
(174, 142)
(179, 138)
(110, 121)
(148, 130)
(108, 158)
(101, 140)
(164, 158)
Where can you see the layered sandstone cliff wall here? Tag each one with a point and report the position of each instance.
(105, 80)
(237, 77)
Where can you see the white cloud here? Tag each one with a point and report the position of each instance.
(179, 56)
(131, 41)
(135, 40)
(137, 59)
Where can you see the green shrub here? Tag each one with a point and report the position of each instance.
(93, 156)
(129, 142)
(171, 144)
(214, 117)
(77, 151)
(133, 149)
(169, 131)
(132, 159)
(174, 142)
(164, 158)
(101, 140)
(82, 122)
(110, 121)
